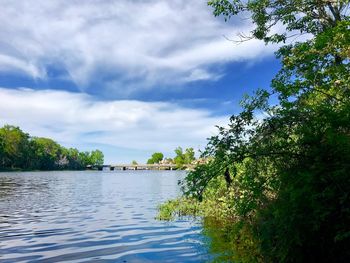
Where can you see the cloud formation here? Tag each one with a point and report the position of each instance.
(121, 46)
(72, 118)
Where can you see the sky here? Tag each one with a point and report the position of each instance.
(128, 77)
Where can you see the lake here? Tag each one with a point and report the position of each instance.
(94, 216)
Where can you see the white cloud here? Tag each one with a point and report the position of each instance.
(75, 118)
(200, 74)
(13, 64)
(150, 42)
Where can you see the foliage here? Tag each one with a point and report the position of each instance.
(96, 158)
(156, 158)
(47, 152)
(178, 208)
(15, 147)
(189, 156)
(294, 16)
(280, 184)
(179, 158)
(183, 158)
(134, 162)
(20, 151)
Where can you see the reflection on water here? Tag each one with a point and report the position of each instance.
(93, 216)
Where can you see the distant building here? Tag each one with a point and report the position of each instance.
(200, 161)
(167, 161)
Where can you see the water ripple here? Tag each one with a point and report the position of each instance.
(93, 216)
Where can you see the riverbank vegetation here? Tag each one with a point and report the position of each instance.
(276, 187)
(20, 151)
(155, 158)
(182, 159)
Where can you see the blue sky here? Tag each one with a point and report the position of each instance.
(127, 77)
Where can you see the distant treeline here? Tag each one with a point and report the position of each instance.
(181, 159)
(20, 151)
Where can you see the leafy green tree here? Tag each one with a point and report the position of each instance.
(189, 156)
(183, 158)
(296, 16)
(73, 159)
(15, 147)
(156, 158)
(96, 158)
(84, 158)
(179, 158)
(287, 175)
(2, 152)
(134, 162)
(20, 151)
(47, 153)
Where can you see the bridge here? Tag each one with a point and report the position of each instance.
(113, 167)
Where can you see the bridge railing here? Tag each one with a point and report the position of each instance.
(140, 166)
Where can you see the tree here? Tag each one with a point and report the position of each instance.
(297, 16)
(47, 153)
(189, 156)
(156, 158)
(20, 151)
(2, 152)
(289, 173)
(183, 158)
(96, 158)
(84, 158)
(73, 157)
(179, 158)
(15, 147)
(134, 162)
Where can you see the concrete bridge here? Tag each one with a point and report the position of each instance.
(113, 167)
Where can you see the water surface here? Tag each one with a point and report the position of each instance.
(93, 216)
